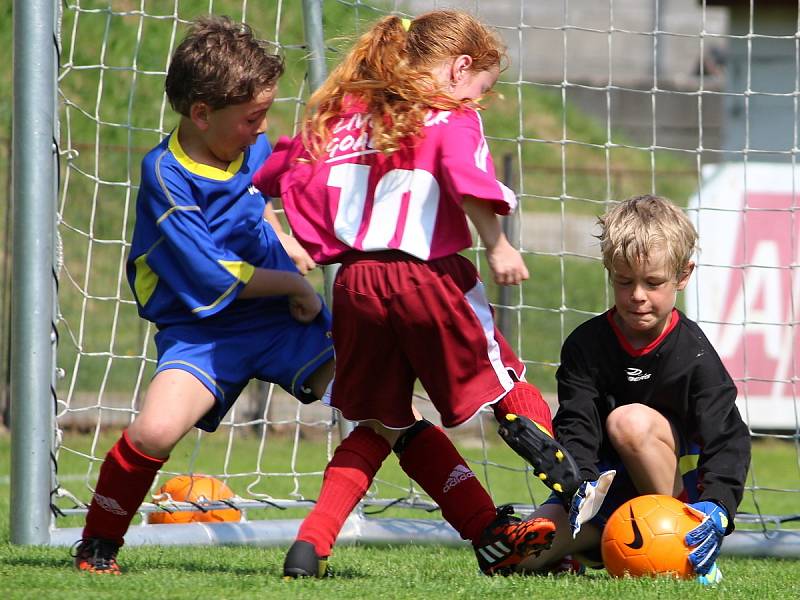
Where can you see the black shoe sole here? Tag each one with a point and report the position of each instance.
(551, 462)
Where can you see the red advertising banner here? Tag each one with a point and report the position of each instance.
(745, 293)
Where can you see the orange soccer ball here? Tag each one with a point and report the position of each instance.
(645, 537)
(200, 489)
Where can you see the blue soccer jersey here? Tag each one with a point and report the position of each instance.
(199, 234)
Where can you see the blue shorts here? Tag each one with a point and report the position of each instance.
(272, 347)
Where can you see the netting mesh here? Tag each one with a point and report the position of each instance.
(601, 100)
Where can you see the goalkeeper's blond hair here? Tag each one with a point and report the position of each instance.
(220, 62)
(641, 225)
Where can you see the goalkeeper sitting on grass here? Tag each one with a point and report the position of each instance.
(642, 392)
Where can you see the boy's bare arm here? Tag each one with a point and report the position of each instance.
(304, 303)
(296, 252)
(505, 261)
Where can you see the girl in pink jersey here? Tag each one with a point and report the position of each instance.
(389, 164)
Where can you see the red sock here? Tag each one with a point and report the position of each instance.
(347, 478)
(125, 477)
(525, 400)
(433, 462)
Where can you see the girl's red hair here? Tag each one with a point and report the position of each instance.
(389, 70)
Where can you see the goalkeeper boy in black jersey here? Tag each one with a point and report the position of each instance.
(643, 393)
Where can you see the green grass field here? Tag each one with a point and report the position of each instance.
(406, 571)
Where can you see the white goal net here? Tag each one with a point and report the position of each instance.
(690, 99)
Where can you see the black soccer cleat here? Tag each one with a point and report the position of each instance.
(302, 561)
(550, 460)
(96, 555)
(508, 540)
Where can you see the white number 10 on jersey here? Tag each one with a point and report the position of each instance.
(403, 214)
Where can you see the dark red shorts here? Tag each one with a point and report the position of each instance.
(397, 319)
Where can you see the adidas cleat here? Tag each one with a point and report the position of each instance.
(551, 462)
(96, 555)
(508, 540)
(302, 561)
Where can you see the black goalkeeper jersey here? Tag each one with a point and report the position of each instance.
(680, 375)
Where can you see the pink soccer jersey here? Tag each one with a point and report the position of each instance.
(357, 198)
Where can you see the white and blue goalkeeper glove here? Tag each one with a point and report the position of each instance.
(712, 578)
(706, 538)
(586, 502)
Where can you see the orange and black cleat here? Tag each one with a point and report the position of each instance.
(96, 555)
(508, 540)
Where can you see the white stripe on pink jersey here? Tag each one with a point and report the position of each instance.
(482, 151)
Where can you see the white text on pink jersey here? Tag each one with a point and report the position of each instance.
(351, 135)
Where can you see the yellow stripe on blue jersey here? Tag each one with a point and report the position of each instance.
(145, 280)
(199, 168)
(239, 269)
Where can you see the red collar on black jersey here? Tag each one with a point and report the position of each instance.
(626, 345)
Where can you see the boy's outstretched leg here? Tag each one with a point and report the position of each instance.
(527, 427)
(125, 477)
(500, 539)
(347, 478)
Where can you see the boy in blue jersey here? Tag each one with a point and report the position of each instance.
(210, 271)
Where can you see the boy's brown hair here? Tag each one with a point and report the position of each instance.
(220, 62)
(634, 228)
